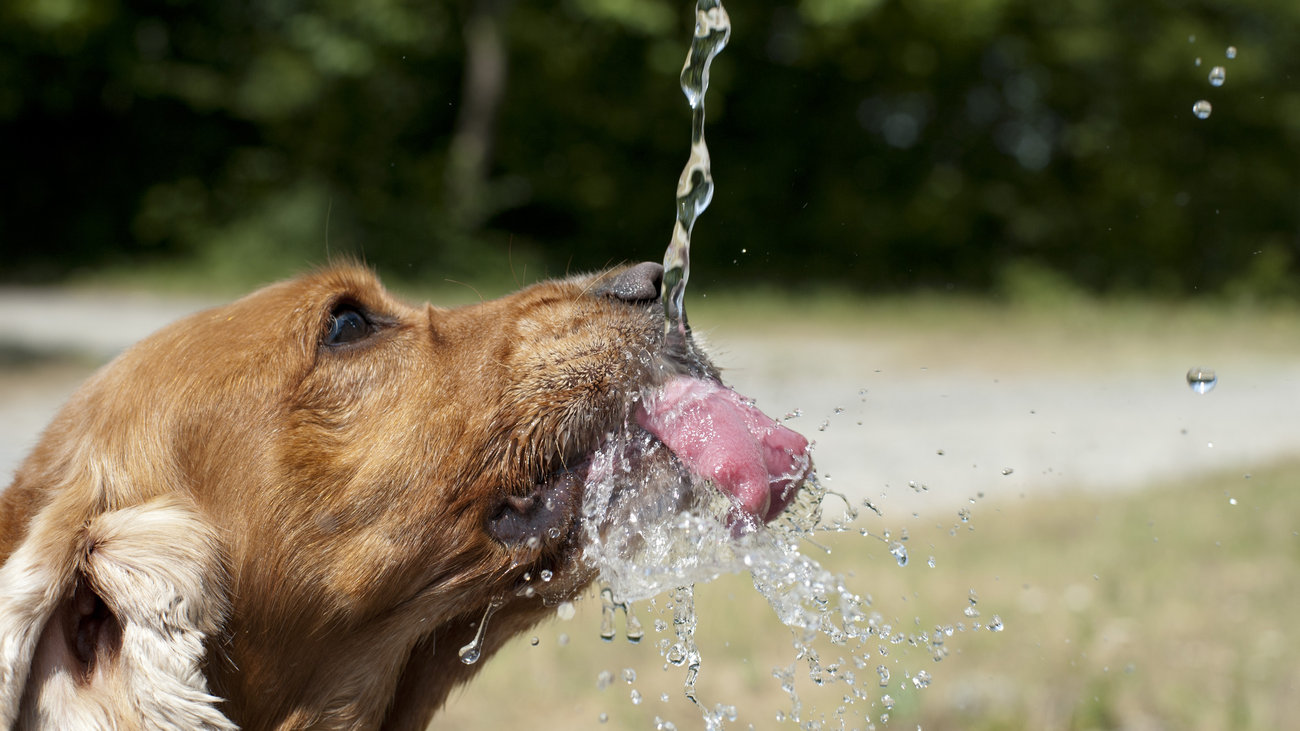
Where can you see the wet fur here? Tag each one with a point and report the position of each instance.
(236, 524)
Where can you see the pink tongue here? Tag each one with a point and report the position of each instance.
(719, 436)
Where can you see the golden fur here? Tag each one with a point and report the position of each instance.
(241, 521)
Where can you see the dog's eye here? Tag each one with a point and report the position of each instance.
(347, 325)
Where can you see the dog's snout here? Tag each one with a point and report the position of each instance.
(638, 284)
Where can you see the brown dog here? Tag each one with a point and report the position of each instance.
(291, 511)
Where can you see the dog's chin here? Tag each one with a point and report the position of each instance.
(546, 530)
(547, 516)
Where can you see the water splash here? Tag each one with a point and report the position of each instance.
(695, 186)
(469, 654)
(655, 531)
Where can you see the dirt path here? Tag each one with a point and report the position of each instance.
(887, 410)
(963, 429)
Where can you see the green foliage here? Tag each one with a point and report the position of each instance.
(877, 144)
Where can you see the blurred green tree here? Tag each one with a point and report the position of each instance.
(878, 144)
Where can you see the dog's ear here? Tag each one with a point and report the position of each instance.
(104, 623)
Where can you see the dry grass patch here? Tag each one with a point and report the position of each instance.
(1173, 608)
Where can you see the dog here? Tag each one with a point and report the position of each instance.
(291, 511)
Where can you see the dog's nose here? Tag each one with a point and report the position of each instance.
(639, 284)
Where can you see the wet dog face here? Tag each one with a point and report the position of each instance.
(412, 466)
(372, 477)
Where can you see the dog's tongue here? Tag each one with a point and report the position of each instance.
(721, 437)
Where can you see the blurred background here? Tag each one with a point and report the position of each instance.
(876, 145)
(971, 247)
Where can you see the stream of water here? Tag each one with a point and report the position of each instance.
(695, 186)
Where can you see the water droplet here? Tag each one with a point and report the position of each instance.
(566, 611)
(629, 675)
(675, 655)
(1007, 470)
(604, 679)
(635, 632)
(604, 717)
(930, 563)
(1217, 75)
(887, 701)
(899, 551)
(1198, 61)
(546, 575)
(1231, 52)
(534, 641)
(562, 640)
(995, 624)
(1202, 109)
(663, 697)
(469, 654)
(607, 614)
(636, 697)
(883, 672)
(921, 679)
(1232, 501)
(1202, 380)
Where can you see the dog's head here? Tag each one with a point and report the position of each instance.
(305, 502)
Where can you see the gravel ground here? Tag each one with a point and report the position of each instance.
(906, 422)
(919, 433)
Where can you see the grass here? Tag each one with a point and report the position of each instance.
(1171, 608)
